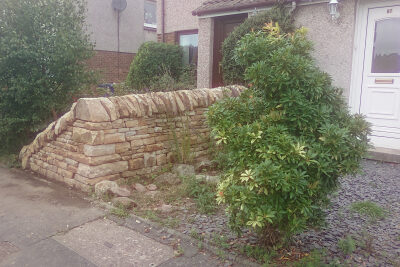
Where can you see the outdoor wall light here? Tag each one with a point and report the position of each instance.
(334, 9)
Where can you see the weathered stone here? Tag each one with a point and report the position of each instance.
(94, 181)
(208, 178)
(165, 208)
(140, 188)
(184, 170)
(136, 164)
(122, 147)
(91, 109)
(131, 123)
(110, 108)
(168, 178)
(149, 160)
(125, 202)
(114, 138)
(94, 161)
(101, 150)
(102, 170)
(204, 165)
(151, 187)
(85, 136)
(120, 191)
(136, 144)
(104, 187)
(161, 159)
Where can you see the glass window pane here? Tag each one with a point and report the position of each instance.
(189, 43)
(150, 15)
(386, 55)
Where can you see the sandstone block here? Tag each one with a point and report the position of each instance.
(101, 150)
(85, 180)
(131, 123)
(104, 186)
(140, 188)
(104, 159)
(122, 147)
(184, 170)
(136, 143)
(152, 148)
(136, 164)
(149, 160)
(161, 159)
(120, 191)
(102, 170)
(114, 138)
(92, 110)
(85, 136)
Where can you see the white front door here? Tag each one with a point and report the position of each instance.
(380, 89)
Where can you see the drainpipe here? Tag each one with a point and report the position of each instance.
(163, 20)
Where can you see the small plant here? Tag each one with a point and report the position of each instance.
(221, 241)
(220, 254)
(194, 234)
(347, 245)
(314, 259)
(120, 211)
(179, 251)
(366, 242)
(204, 194)
(259, 253)
(181, 142)
(370, 209)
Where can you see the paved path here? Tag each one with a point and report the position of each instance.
(46, 224)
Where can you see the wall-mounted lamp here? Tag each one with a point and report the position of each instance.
(334, 9)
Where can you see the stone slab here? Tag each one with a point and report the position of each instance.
(105, 243)
(47, 253)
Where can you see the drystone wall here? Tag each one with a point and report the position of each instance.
(120, 137)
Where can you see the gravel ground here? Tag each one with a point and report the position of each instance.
(377, 243)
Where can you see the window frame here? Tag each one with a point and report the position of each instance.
(149, 25)
(187, 32)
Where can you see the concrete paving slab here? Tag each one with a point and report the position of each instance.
(33, 209)
(105, 243)
(46, 253)
(199, 260)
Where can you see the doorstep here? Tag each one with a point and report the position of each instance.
(384, 154)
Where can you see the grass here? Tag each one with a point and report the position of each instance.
(169, 222)
(370, 209)
(221, 241)
(120, 211)
(202, 193)
(347, 245)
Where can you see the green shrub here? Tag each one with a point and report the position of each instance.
(166, 82)
(43, 49)
(347, 245)
(286, 140)
(153, 60)
(233, 72)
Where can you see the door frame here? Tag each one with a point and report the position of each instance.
(359, 48)
(218, 40)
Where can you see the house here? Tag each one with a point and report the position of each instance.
(118, 34)
(355, 41)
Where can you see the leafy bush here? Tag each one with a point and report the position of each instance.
(43, 48)
(153, 60)
(286, 140)
(233, 72)
(166, 82)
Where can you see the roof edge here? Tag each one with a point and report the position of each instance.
(225, 9)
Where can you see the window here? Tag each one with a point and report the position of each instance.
(189, 42)
(150, 14)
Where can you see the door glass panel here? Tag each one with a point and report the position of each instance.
(386, 55)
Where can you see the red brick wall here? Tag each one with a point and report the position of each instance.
(106, 62)
(170, 38)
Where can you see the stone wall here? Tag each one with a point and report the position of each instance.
(120, 137)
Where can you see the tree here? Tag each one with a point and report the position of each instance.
(43, 49)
